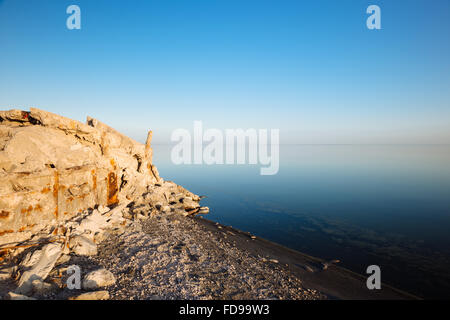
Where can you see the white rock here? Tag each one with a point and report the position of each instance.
(83, 246)
(98, 279)
(95, 295)
(273, 260)
(16, 296)
(190, 204)
(203, 210)
(31, 259)
(97, 222)
(41, 267)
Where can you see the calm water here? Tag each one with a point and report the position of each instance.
(383, 205)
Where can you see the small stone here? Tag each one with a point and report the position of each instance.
(98, 279)
(273, 260)
(162, 248)
(83, 246)
(309, 269)
(154, 242)
(16, 296)
(95, 295)
(203, 210)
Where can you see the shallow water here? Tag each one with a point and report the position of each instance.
(363, 205)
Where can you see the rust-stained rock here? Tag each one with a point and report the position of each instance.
(52, 168)
(64, 186)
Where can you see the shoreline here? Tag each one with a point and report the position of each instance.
(336, 282)
(169, 256)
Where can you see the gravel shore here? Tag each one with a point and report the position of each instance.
(176, 257)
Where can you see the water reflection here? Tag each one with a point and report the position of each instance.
(384, 205)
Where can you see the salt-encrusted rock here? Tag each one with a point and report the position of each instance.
(83, 246)
(95, 295)
(96, 223)
(98, 279)
(190, 204)
(16, 296)
(163, 197)
(42, 264)
(203, 210)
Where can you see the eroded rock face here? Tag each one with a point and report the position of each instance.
(53, 168)
(64, 186)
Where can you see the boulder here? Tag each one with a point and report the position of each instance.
(203, 210)
(52, 168)
(189, 204)
(82, 246)
(98, 279)
(41, 264)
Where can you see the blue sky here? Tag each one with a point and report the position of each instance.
(310, 68)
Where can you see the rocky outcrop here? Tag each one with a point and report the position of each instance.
(63, 184)
(52, 168)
